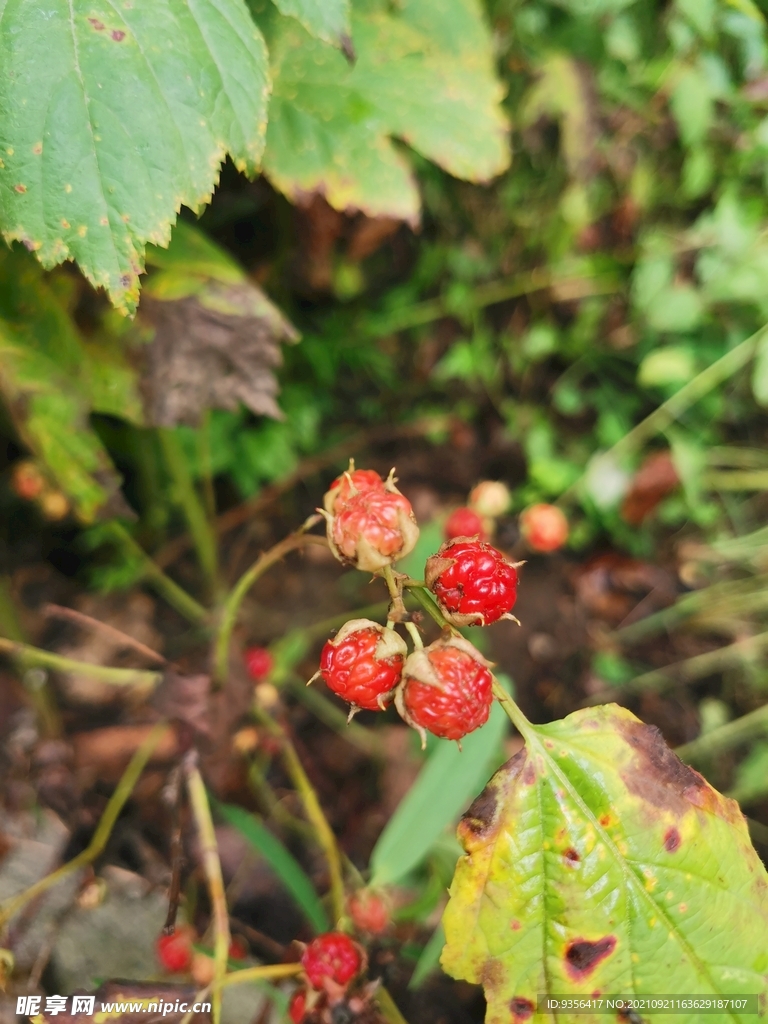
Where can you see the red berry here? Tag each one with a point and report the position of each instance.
(332, 956)
(473, 582)
(370, 911)
(363, 662)
(544, 527)
(447, 689)
(259, 662)
(348, 484)
(371, 528)
(298, 1007)
(238, 950)
(463, 522)
(175, 951)
(27, 480)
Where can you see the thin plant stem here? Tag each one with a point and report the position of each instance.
(201, 811)
(388, 1007)
(28, 656)
(206, 465)
(188, 500)
(103, 831)
(512, 711)
(265, 972)
(323, 831)
(175, 595)
(685, 671)
(736, 480)
(57, 611)
(674, 407)
(415, 635)
(689, 604)
(39, 691)
(231, 608)
(419, 592)
(726, 736)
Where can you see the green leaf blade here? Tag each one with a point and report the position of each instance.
(325, 19)
(116, 116)
(282, 862)
(435, 800)
(597, 861)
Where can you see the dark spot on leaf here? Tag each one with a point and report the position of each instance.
(125, 280)
(347, 48)
(582, 956)
(118, 35)
(98, 25)
(479, 817)
(522, 1009)
(605, 820)
(529, 775)
(660, 778)
(19, 188)
(515, 925)
(571, 855)
(671, 840)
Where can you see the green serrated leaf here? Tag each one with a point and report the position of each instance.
(325, 19)
(282, 862)
(446, 782)
(596, 861)
(423, 73)
(51, 381)
(116, 115)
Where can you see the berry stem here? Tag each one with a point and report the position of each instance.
(397, 612)
(419, 592)
(264, 972)
(513, 712)
(417, 641)
(229, 612)
(103, 831)
(201, 811)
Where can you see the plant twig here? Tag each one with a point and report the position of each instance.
(57, 611)
(103, 831)
(685, 671)
(231, 608)
(726, 736)
(201, 811)
(175, 595)
(187, 498)
(28, 656)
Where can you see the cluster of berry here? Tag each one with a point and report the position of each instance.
(445, 688)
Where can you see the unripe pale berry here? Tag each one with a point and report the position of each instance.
(490, 498)
(464, 522)
(544, 527)
(447, 689)
(363, 662)
(473, 582)
(371, 528)
(350, 483)
(54, 505)
(258, 662)
(333, 957)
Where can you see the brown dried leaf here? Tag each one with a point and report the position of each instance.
(656, 478)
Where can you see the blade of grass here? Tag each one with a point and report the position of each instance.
(281, 860)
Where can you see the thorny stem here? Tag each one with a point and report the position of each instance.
(103, 831)
(188, 500)
(201, 812)
(177, 597)
(28, 656)
(323, 831)
(231, 607)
